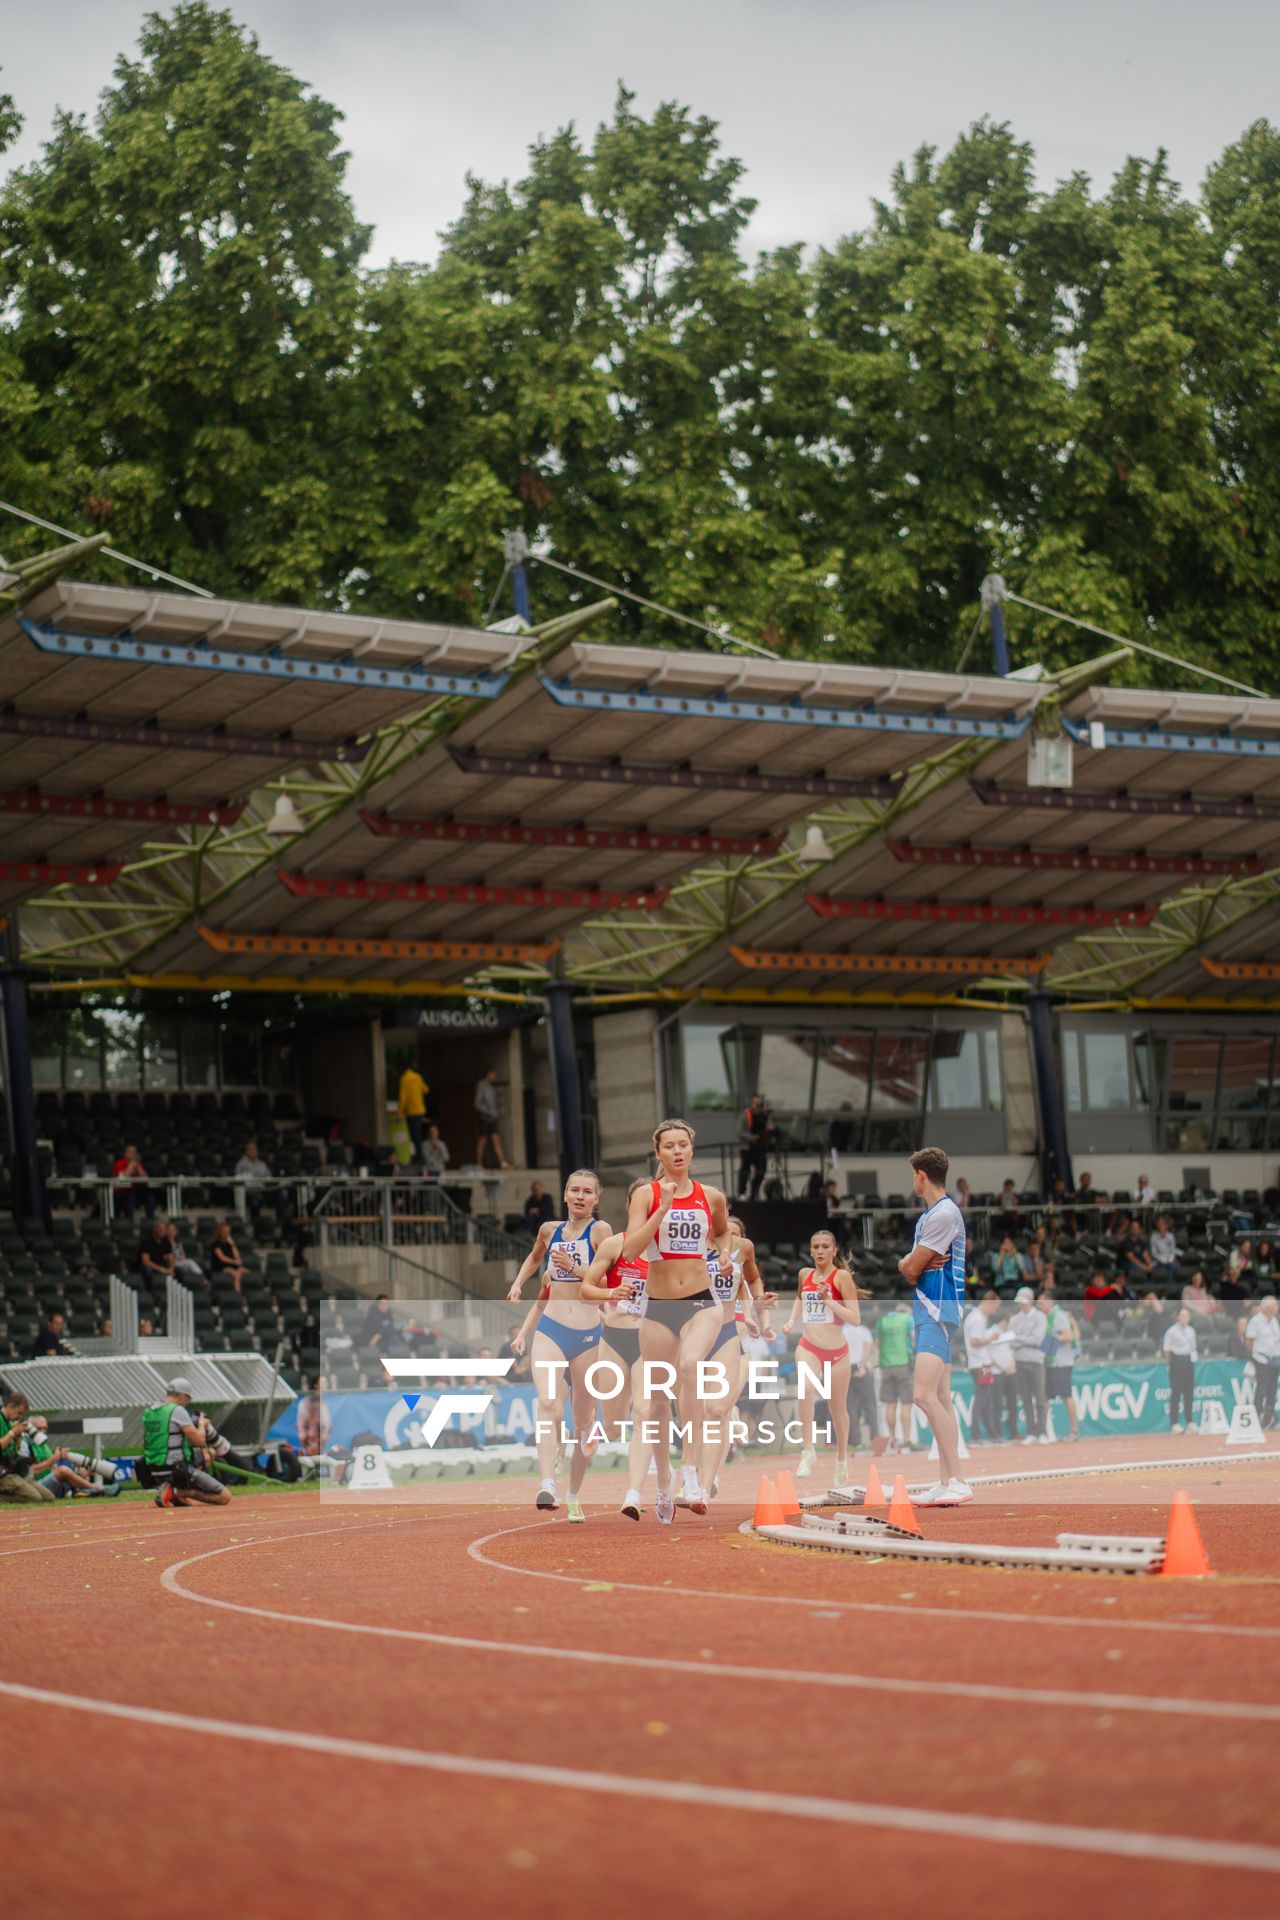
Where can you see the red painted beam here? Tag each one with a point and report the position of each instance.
(313, 886)
(50, 873)
(1065, 861)
(96, 806)
(981, 913)
(592, 839)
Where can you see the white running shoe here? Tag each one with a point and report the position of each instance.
(958, 1491)
(546, 1501)
(1047, 1439)
(1176, 1428)
(691, 1490)
(934, 1496)
(665, 1507)
(840, 1478)
(807, 1459)
(1029, 1439)
(631, 1505)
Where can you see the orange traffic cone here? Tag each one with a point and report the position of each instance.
(901, 1512)
(768, 1506)
(874, 1495)
(787, 1496)
(1184, 1553)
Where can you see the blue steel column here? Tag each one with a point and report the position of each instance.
(564, 1075)
(515, 551)
(1055, 1157)
(992, 595)
(30, 1200)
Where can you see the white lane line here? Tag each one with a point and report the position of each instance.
(652, 1663)
(934, 1822)
(110, 1536)
(1099, 1621)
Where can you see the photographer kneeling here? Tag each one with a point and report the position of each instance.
(177, 1447)
(17, 1431)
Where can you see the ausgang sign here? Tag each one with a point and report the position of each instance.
(448, 1018)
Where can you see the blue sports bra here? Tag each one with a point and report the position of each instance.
(581, 1250)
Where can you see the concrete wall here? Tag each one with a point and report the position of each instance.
(1019, 1086)
(627, 1095)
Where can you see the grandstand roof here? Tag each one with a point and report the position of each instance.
(639, 813)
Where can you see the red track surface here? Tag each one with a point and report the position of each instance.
(736, 1725)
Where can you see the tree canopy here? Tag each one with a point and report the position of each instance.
(824, 451)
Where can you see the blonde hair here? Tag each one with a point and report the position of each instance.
(842, 1260)
(583, 1173)
(672, 1126)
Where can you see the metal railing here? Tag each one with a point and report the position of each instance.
(404, 1213)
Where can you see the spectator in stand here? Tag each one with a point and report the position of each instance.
(17, 1482)
(1197, 1297)
(146, 1328)
(131, 1190)
(155, 1255)
(49, 1343)
(1086, 1198)
(1233, 1286)
(1034, 1266)
(413, 1108)
(1163, 1248)
(831, 1201)
(1264, 1260)
(860, 1394)
(255, 1175)
(985, 1424)
(1101, 1298)
(1006, 1267)
(1029, 1328)
(1144, 1194)
(962, 1194)
(435, 1154)
(1152, 1317)
(893, 1341)
(1133, 1258)
(380, 1329)
(1061, 1355)
(1005, 1365)
(1240, 1264)
(1008, 1205)
(183, 1265)
(752, 1134)
(487, 1118)
(539, 1207)
(1180, 1351)
(1262, 1337)
(224, 1256)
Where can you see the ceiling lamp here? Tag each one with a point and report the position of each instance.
(284, 822)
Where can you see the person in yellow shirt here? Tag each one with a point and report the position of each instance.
(413, 1108)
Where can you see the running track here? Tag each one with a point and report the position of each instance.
(315, 1707)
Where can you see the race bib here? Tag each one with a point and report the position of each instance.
(685, 1229)
(817, 1309)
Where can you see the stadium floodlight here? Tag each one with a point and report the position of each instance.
(1049, 761)
(284, 822)
(816, 849)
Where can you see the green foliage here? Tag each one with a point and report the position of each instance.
(1079, 388)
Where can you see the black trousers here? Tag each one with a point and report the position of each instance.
(751, 1170)
(986, 1408)
(1030, 1380)
(1264, 1392)
(1005, 1403)
(1182, 1385)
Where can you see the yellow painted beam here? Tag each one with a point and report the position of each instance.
(796, 962)
(325, 946)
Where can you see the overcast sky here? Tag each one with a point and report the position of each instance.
(818, 97)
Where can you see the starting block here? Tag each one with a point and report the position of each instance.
(1074, 1552)
(835, 1497)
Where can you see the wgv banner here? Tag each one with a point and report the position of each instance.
(1110, 1400)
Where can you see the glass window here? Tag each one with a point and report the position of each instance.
(957, 1071)
(122, 1030)
(897, 1083)
(83, 1042)
(844, 1072)
(1106, 1072)
(199, 1053)
(1148, 1065)
(708, 1079)
(995, 1072)
(239, 1054)
(1242, 1096)
(1193, 1081)
(1071, 1072)
(785, 1072)
(160, 1053)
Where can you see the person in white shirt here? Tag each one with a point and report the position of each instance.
(1029, 1327)
(1180, 1352)
(1262, 1337)
(1163, 1248)
(862, 1387)
(978, 1337)
(1144, 1193)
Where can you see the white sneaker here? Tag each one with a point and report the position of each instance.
(958, 1491)
(630, 1507)
(1028, 1439)
(691, 1490)
(934, 1496)
(546, 1501)
(1046, 1439)
(1177, 1429)
(665, 1507)
(807, 1459)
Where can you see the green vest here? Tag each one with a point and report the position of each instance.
(155, 1435)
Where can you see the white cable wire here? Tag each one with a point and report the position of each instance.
(1139, 646)
(112, 553)
(655, 606)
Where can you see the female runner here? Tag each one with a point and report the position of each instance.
(686, 1220)
(617, 1278)
(827, 1301)
(744, 1309)
(568, 1330)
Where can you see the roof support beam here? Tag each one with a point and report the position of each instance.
(742, 712)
